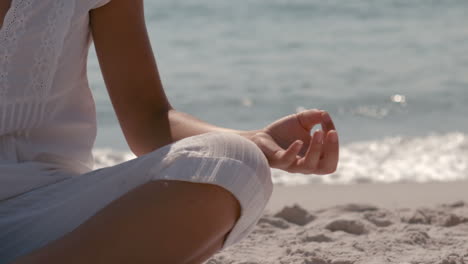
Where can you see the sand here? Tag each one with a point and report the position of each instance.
(358, 224)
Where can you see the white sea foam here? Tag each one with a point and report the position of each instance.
(398, 159)
(105, 157)
(386, 67)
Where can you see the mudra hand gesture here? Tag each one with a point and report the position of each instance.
(288, 144)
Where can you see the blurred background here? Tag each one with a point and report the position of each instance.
(393, 74)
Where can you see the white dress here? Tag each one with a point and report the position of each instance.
(44, 91)
(48, 127)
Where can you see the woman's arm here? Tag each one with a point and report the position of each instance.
(149, 121)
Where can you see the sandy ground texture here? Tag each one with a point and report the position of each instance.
(359, 233)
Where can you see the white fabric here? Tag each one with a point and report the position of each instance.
(48, 128)
(47, 112)
(32, 220)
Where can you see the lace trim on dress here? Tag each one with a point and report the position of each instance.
(12, 29)
(34, 105)
(51, 46)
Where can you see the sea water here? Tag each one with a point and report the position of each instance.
(393, 75)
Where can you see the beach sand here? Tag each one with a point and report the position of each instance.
(405, 223)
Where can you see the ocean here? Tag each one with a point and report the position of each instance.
(393, 74)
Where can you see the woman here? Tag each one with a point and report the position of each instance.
(193, 189)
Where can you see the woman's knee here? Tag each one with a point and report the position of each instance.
(229, 161)
(223, 146)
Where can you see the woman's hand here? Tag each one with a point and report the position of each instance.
(289, 145)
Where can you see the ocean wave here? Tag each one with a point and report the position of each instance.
(436, 157)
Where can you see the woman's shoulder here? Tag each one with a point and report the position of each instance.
(34, 8)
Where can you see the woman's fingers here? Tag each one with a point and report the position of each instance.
(319, 157)
(277, 156)
(283, 159)
(309, 163)
(327, 122)
(309, 118)
(322, 155)
(330, 154)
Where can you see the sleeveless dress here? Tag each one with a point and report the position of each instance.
(44, 92)
(48, 127)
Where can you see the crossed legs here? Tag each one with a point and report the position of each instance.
(158, 222)
(179, 204)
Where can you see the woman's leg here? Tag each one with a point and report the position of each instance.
(178, 201)
(159, 222)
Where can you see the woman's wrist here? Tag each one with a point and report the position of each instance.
(251, 134)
